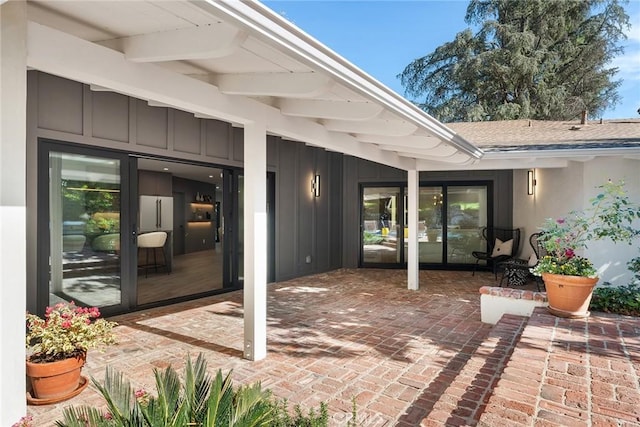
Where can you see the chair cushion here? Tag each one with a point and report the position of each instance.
(533, 260)
(502, 248)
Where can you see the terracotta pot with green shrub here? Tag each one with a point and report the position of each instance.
(58, 346)
(569, 277)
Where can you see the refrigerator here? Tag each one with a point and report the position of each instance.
(156, 213)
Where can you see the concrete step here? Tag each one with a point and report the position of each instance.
(464, 400)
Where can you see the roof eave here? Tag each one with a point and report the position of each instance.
(282, 33)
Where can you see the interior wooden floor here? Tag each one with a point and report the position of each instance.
(192, 273)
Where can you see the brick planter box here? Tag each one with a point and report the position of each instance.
(495, 301)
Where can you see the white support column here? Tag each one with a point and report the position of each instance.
(255, 241)
(13, 236)
(413, 268)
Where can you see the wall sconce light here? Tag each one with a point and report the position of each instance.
(315, 186)
(531, 182)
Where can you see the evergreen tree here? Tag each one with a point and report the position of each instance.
(537, 59)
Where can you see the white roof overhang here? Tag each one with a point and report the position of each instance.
(239, 62)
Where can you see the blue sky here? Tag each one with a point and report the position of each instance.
(382, 37)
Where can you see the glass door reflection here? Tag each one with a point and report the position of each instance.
(466, 209)
(84, 229)
(381, 225)
(430, 224)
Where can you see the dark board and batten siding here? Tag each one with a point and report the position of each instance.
(65, 110)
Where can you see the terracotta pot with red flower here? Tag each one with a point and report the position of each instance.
(58, 346)
(570, 278)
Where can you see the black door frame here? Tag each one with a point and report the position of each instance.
(127, 255)
(401, 217)
(232, 236)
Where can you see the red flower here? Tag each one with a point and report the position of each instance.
(569, 253)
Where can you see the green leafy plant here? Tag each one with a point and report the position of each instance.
(369, 238)
(67, 331)
(634, 267)
(282, 417)
(617, 299)
(197, 400)
(610, 216)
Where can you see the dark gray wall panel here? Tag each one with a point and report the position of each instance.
(367, 169)
(334, 190)
(286, 211)
(503, 198)
(186, 132)
(390, 173)
(237, 144)
(110, 116)
(151, 125)
(321, 213)
(60, 104)
(305, 229)
(272, 151)
(217, 139)
(351, 213)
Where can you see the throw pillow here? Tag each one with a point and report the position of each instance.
(502, 248)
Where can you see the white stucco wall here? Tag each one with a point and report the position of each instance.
(560, 190)
(611, 259)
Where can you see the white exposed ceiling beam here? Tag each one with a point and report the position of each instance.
(58, 53)
(61, 54)
(297, 85)
(183, 44)
(152, 103)
(458, 158)
(96, 88)
(416, 141)
(277, 31)
(442, 150)
(315, 134)
(375, 126)
(325, 109)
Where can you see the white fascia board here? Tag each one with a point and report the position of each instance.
(277, 31)
(569, 153)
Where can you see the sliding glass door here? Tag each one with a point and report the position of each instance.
(381, 225)
(82, 207)
(450, 219)
(466, 213)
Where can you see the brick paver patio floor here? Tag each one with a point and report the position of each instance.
(348, 334)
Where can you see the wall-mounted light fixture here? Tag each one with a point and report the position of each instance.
(315, 186)
(531, 182)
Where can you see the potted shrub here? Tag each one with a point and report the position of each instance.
(58, 346)
(570, 278)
